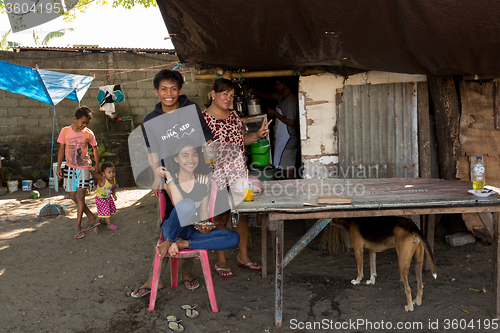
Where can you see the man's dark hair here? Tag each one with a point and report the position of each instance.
(169, 75)
(83, 111)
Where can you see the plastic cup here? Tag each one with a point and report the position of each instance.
(248, 192)
(209, 153)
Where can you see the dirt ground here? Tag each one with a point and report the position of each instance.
(53, 283)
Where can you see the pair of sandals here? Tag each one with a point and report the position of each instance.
(174, 324)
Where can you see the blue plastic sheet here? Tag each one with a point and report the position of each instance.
(45, 86)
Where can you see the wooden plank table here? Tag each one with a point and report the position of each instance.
(281, 201)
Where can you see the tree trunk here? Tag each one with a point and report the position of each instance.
(447, 115)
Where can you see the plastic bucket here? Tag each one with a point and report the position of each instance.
(27, 184)
(12, 185)
(259, 151)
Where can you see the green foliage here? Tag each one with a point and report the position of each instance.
(102, 153)
(8, 173)
(49, 36)
(128, 4)
(35, 175)
(6, 45)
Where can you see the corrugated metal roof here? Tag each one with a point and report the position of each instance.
(93, 49)
(378, 131)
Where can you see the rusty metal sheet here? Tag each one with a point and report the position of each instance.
(378, 131)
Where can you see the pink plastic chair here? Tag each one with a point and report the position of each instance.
(186, 253)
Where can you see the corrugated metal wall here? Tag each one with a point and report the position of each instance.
(378, 131)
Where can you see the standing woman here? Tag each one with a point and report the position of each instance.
(230, 165)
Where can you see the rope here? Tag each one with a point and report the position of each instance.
(180, 66)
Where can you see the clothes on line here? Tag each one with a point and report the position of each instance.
(108, 96)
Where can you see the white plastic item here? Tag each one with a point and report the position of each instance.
(478, 174)
(12, 185)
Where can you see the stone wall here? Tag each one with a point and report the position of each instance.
(26, 124)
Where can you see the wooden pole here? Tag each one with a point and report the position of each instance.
(248, 75)
(447, 111)
(496, 104)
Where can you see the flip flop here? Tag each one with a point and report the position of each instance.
(143, 295)
(112, 227)
(248, 266)
(190, 311)
(218, 271)
(79, 234)
(190, 281)
(91, 226)
(174, 324)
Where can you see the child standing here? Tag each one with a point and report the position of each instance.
(74, 143)
(106, 186)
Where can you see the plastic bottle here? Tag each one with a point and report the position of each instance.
(478, 174)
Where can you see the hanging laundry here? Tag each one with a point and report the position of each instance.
(108, 96)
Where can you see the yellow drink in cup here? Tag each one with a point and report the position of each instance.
(209, 152)
(248, 191)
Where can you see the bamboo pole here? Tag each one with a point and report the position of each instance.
(247, 75)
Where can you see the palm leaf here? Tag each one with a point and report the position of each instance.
(3, 42)
(55, 34)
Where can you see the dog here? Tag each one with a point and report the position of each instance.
(381, 233)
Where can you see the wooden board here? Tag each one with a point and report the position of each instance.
(478, 226)
(492, 167)
(478, 135)
(424, 138)
(334, 200)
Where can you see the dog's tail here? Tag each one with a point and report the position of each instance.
(428, 250)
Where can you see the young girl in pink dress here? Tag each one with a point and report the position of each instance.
(106, 186)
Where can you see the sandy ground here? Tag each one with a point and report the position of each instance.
(53, 283)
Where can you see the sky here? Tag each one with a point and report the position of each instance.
(105, 26)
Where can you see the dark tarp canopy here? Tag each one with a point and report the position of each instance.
(434, 37)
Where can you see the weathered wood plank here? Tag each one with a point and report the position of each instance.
(496, 104)
(477, 122)
(492, 167)
(424, 137)
(428, 228)
(424, 157)
(495, 276)
(263, 237)
(487, 219)
(278, 280)
(447, 115)
(370, 213)
(478, 228)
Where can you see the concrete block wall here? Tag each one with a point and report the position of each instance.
(26, 124)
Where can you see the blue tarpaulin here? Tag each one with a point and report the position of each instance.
(45, 86)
